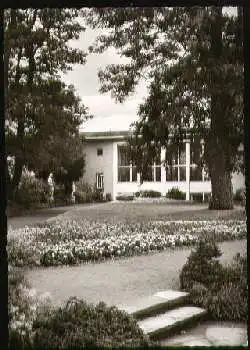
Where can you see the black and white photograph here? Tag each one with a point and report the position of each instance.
(125, 177)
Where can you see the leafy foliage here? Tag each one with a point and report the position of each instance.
(175, 193)
(78, 240)
(124, 198)
(192, 59)
(34, 323)
(32, 192)
(202, 266)
(79, 324)
(223, 291)
(24, 306)
(41, 109)
(150, 194)
(240, 195)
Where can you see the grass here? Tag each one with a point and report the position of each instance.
(140, 212)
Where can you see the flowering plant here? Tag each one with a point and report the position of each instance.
(71, 241)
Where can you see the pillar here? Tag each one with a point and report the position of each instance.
(187, 143)
(163, 167)
(115, 169)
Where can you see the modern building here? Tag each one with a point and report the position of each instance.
(109, 168)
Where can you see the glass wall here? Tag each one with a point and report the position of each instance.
(176, 168)
(126, 170)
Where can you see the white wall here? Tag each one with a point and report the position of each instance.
(195, 187)
(99, 164)
(238, 181)
(107, 163)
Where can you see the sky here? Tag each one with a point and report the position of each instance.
(108, 115)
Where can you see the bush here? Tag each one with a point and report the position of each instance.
(79, 324)
(124, 198)
(197, 197)
(201, 266)
(137, 194)
(84, 192)
(32, 192)
(150, 194)
(175, 193)
(33, 323)
(240, 196)
(24, 306)
(108, 197)
(59, 196)
(222, 291)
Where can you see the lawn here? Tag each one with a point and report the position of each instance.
(154, 211)
(113, 230)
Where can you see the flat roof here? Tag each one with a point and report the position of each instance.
(105, 135)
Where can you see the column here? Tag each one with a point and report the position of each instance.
(202, 153)
(187, 142)
(138, 182)
(163, 168)
(115, 169)
(202, 170)
(51, 189)
(130, 172)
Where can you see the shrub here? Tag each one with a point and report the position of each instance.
(124, 198)
(59, 196)
(224, 293)
(240, 196)
(197, 197)
(201, 266)
(24, 306)
(228, 303)
(79, 324)
(108, 197)
(137, 194)
(81, 197)
(175, 193)
(84, 192)
(150, 194)
(32, 192)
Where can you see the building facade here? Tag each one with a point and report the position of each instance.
(108, 167)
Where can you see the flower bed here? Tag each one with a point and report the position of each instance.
(68, 242)
(34, 323)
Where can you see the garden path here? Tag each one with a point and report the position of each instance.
(43, 215)
(120, 281)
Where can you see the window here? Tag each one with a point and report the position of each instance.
(99, 151)
(99, 181)
(176, 170)
(195, 159)
(153, 173)
(126, 170)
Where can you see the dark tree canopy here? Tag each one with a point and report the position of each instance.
(41, 111)
(192, 61)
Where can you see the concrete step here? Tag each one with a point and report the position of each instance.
(157, 303)
(172, 321)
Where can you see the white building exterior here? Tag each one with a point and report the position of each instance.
(107, 168)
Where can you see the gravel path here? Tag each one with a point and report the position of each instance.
(121, 281)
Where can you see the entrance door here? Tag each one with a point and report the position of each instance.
(99, 181)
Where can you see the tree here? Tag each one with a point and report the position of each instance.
(72, 164)
(38, 104)
(192, 59)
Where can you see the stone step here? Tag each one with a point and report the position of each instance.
(170, 322)
(159, 302)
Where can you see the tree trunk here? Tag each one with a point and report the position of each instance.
(18, 169)
(68, 187)
(222, 193)
(217, 150)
